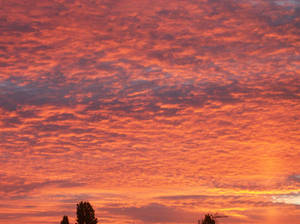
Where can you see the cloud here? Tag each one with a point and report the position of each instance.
(155, 213)
(16, 187)
(235, 200)
(19, 215)
(293, 198)
(131, 95)
(15, 27)
(294, 178)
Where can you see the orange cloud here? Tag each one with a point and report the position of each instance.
(178, 107)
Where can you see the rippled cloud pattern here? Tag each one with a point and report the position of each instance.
(154, 111)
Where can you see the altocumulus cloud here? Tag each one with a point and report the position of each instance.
(155, 213)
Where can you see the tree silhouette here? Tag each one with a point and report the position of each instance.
(65, 220)
(208, 219)
(85, 213)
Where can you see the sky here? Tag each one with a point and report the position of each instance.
(154, 111)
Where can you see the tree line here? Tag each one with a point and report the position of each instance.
(86, 215)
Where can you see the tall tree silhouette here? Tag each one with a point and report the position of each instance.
(85, 213)
(208, 219)
(65, 220)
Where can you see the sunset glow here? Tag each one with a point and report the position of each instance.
(155, 111)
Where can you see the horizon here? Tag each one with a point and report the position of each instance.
(154, 111)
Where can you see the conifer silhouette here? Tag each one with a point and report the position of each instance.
(208, 219)
(65, 220)
(85, 213)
